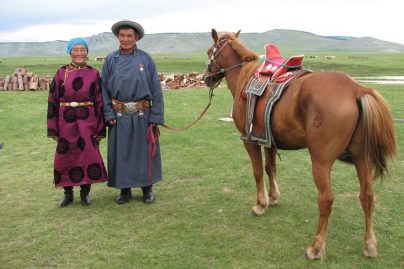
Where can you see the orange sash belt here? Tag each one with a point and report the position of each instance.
(74, 104)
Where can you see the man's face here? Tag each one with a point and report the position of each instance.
(127, 38)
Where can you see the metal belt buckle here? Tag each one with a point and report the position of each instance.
(131, 107)
(74, 104)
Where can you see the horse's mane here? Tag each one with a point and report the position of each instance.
(246, 54)
(249, 68)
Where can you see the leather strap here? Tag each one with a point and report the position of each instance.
(189, 125)
(130, 107)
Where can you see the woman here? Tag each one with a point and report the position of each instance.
(76, 122)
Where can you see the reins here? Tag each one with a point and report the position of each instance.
(221, 72)
(224, 70)
(195, 121)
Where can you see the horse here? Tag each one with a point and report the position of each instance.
(326, 112)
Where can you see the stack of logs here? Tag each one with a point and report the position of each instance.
(23, 80)
(176, 81)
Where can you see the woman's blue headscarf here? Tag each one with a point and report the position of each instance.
(76, 41)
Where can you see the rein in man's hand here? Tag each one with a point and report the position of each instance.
(112, 122)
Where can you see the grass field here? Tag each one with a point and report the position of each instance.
(369, 64)
(201, 215)
(200, 218)
(47, 65)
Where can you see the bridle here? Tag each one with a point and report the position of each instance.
(217, 76)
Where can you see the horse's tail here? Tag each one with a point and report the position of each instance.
(376, 131)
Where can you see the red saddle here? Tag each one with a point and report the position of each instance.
(275, 66)
(273, 60)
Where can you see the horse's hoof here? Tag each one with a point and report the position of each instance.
(272, 202)
(370, 251)
(312, 255)
(252, 213)
(257, 211)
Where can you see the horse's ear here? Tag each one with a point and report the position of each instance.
(214, 35)
(238, 33)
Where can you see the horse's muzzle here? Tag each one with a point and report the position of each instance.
(212, 80)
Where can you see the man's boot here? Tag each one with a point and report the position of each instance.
(124, 196)
(68, 198)
(148, 196)
(84, 195)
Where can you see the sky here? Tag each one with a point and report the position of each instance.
(49, 20)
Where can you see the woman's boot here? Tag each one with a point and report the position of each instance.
(84, 195)
(68, 198)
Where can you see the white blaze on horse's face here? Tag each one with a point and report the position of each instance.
(212, 58)
(214, 72)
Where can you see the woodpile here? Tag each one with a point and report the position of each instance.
(23, 80)
(176, 81)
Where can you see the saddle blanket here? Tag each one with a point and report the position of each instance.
(258, 125)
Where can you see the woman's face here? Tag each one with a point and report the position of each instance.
(79, 54)
(127, 38)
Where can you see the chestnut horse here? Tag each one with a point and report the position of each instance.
(326, 112)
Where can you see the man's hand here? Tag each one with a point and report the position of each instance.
(112, 122)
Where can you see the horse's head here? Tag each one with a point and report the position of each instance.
(216, 64)
(225, 54)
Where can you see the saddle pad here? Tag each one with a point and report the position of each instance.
(263, 136)
(256, 86)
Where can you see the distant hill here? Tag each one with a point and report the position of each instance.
(289, 41)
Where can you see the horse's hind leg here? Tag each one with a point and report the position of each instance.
(321, 176)
(254, 152)
(367, 201)
(270, 169)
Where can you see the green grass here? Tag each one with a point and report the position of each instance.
(47, 65)
(201, 215)
(374, 64)
(40, 65)
(369, 64)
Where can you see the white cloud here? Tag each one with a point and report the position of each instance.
(50, 32)
(64, 20)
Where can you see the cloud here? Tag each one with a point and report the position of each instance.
(47, 20)
(51, 32)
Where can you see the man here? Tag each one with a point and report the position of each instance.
(133, 107)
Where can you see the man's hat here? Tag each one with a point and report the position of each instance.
(134, 25)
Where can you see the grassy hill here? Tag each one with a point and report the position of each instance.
(290, 41)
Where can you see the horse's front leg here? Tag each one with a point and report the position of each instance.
(254, 152)
(270, 169)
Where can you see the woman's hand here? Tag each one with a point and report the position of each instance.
(97, 138)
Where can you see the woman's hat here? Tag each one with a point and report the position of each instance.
(134, 25)
(76, 41)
